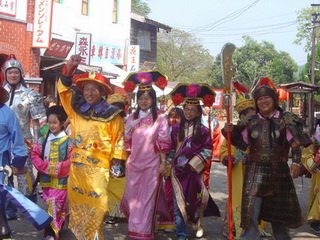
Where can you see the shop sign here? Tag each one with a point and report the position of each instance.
(8, 7)
(58, 48)
(83, 46)
(133, 58)
(104, 52)
(42, 23)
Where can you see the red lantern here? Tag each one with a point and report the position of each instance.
(283, 94)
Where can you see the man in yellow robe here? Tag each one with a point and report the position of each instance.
(97, 132)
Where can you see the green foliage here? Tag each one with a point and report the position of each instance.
(182, 58)
(254, 60)
(140, 7)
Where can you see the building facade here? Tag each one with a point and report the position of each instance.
(16, 18)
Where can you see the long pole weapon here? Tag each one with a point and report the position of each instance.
(227, 75)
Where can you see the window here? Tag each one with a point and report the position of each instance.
(144, 40)
(85, 7)
(115, 11)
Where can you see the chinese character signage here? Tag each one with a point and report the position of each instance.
(133, 58)
(104, 52)
(8, 7)
(58, 48)
(42, 23)
(83, 46)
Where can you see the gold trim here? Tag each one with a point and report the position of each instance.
(144, 87)
(192, 101)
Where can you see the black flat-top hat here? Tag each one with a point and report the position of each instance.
(144, 79)
(193, 94)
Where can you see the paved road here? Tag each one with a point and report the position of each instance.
(213, 226)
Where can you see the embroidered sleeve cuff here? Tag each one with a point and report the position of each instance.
(196, 163)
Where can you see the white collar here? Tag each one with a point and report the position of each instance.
(60, 135)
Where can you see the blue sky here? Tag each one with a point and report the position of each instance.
(216, 22)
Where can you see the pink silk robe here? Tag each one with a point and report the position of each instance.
(145, 140)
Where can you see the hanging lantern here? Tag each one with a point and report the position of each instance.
(283, 94)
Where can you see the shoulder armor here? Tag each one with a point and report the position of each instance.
(290, 118)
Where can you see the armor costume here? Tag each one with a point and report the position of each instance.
(267, 172)
(28, 106)
(268, 190)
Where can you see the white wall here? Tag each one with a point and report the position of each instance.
(67, 20)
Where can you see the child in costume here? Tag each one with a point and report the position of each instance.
(51, 157)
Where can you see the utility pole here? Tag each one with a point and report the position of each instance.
(315, 25)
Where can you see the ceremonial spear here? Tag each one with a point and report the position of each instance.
(227, 75)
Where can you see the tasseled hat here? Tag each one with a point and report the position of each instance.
(242, 103)
(81, 79)
(192, 94)
(4, 95)
(144, 80)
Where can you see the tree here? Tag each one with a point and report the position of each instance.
(140, 7)
(304, 37)
(182, 58)
(254, 60)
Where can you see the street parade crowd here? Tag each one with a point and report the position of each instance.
(98, 163)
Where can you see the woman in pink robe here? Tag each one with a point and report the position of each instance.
(147, 138)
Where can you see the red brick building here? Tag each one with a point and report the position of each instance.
(16, 38)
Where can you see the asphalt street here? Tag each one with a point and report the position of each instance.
(23, 230)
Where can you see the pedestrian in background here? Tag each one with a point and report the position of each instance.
(147, 139)
(51, 157)
(116, 183)
(192, 144)
(245, 109)
(167, 223)
(214, 126)
(98, 151)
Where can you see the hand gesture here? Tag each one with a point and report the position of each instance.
(71, 65)
(74, 60)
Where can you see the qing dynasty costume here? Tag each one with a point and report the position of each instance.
(238, 156)
(145, 140)
(189, 189)
(308, 155)
(51, 157)
(98, 150)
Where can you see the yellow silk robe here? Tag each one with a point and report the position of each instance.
(314, 196)
(96, 142)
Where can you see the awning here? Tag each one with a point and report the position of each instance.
(111, 68)
(114, 73)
